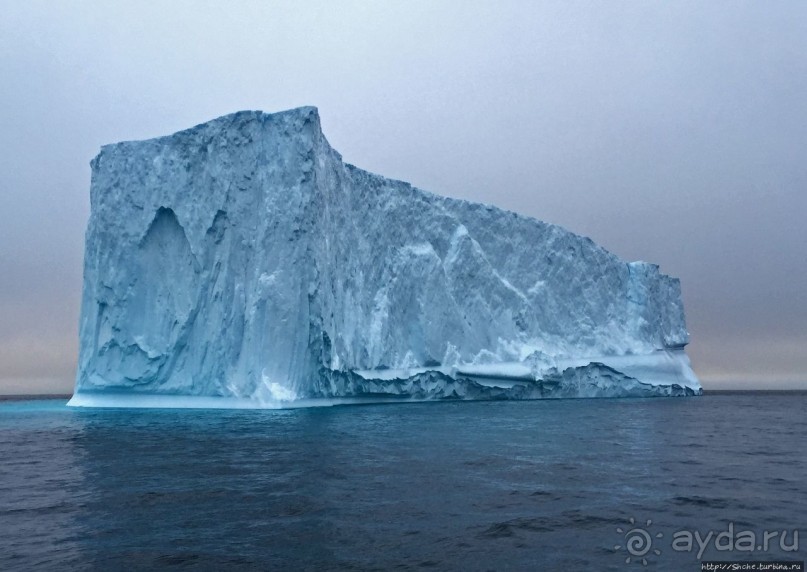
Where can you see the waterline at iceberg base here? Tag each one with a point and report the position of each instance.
(242, 263)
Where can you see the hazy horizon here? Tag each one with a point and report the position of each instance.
(672, 133)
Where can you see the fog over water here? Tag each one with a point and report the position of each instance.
(669, 132)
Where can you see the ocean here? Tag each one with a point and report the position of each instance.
(576, 484)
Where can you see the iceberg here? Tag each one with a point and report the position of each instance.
(242, 263)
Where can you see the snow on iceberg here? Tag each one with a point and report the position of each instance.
(242, 263)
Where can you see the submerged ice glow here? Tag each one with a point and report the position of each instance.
(243, 260)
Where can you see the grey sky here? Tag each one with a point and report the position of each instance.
(674, 132)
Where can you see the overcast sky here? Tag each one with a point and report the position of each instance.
(673, 132)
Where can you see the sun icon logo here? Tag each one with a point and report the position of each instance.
(638, 542)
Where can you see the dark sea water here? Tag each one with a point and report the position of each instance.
(538, 485)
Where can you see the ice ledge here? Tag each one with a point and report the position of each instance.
(662, 374)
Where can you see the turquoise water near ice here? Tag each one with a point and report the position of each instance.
(539, 485)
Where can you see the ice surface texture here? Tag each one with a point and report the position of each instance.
(243, 259)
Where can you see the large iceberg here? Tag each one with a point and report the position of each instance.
(242, 263)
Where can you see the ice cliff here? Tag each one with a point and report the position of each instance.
(243, 260)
